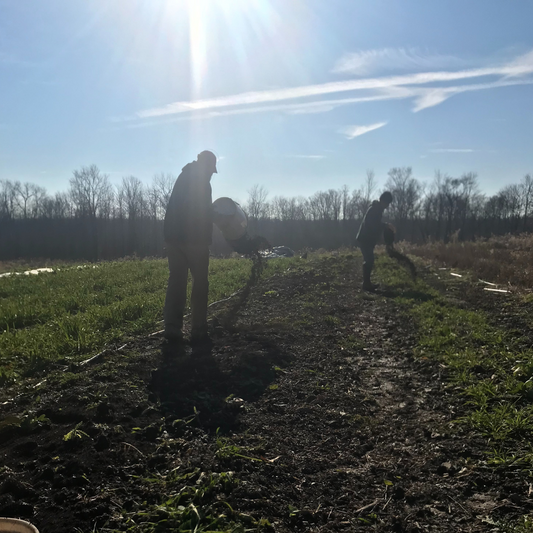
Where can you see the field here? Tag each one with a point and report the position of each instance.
(316, 407)
(506, 260)
(79, 309)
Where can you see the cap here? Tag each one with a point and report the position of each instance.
(209, 158)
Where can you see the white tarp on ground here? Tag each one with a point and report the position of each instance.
(28, 272)
(44, 269)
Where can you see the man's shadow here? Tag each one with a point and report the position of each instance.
(407, 293)
(209, 385)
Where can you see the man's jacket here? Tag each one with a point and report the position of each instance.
(371, 226)
(189, 219)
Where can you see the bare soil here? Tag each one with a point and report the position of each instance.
(310, 397)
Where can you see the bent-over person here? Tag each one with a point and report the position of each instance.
(188, 229)
(369, 234)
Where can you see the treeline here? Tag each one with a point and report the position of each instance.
(94, 220)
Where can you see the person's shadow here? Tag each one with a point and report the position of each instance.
(209, 385)
(408, 294)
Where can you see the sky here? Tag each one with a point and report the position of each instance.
(295, 96)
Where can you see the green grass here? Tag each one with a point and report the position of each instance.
(191, 502)
(492, 366)
(76, 311)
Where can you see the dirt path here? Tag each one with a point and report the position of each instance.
(311, 414)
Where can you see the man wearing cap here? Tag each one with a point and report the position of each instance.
(368, 235)
(187, 229)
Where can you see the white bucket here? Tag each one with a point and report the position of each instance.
(13, 525)
(229, 218)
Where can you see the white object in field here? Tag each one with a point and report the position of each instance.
(277, 251)
(503, 291)
(28, 272)
(13, 525)
(229, 218)
(456, 275)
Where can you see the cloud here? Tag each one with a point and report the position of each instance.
(309, 107)
(318, 108)
(523, 63)
(451, 150)
(427, 89)
(355, 131)
(423, 98)
(308, 156)
(276, 95)
(432, 97)
(371, 61)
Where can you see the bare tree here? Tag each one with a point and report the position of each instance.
(320, 206)
(28, 197)
(38, 200)
(527, 194)
(120, 203)
(257, 206)
(367, 191)
(57, 206)
(406, 192)
(511, 203)
(89, 191)
(299, 208)
(280, 208)
(8, 198)
(133, 194)
(335, 202)
(153, 203)
(163, 184)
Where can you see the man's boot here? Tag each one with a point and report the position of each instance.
(367, 284)
(200, 334)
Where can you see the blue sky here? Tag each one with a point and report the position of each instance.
(297, 96)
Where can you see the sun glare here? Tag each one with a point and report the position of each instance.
(236, 17)
(198, 11)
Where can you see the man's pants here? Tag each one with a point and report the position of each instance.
(368, 261)
(181, 259)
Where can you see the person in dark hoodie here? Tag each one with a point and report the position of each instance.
(187, 229)
(368, 235)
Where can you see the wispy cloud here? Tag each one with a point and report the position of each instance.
(261, 97)
(427, 89)
(308, 107)
(451, 150)
(316, 157)
(352, 132)
(435, 96)
(367, 62)
(318, 108)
